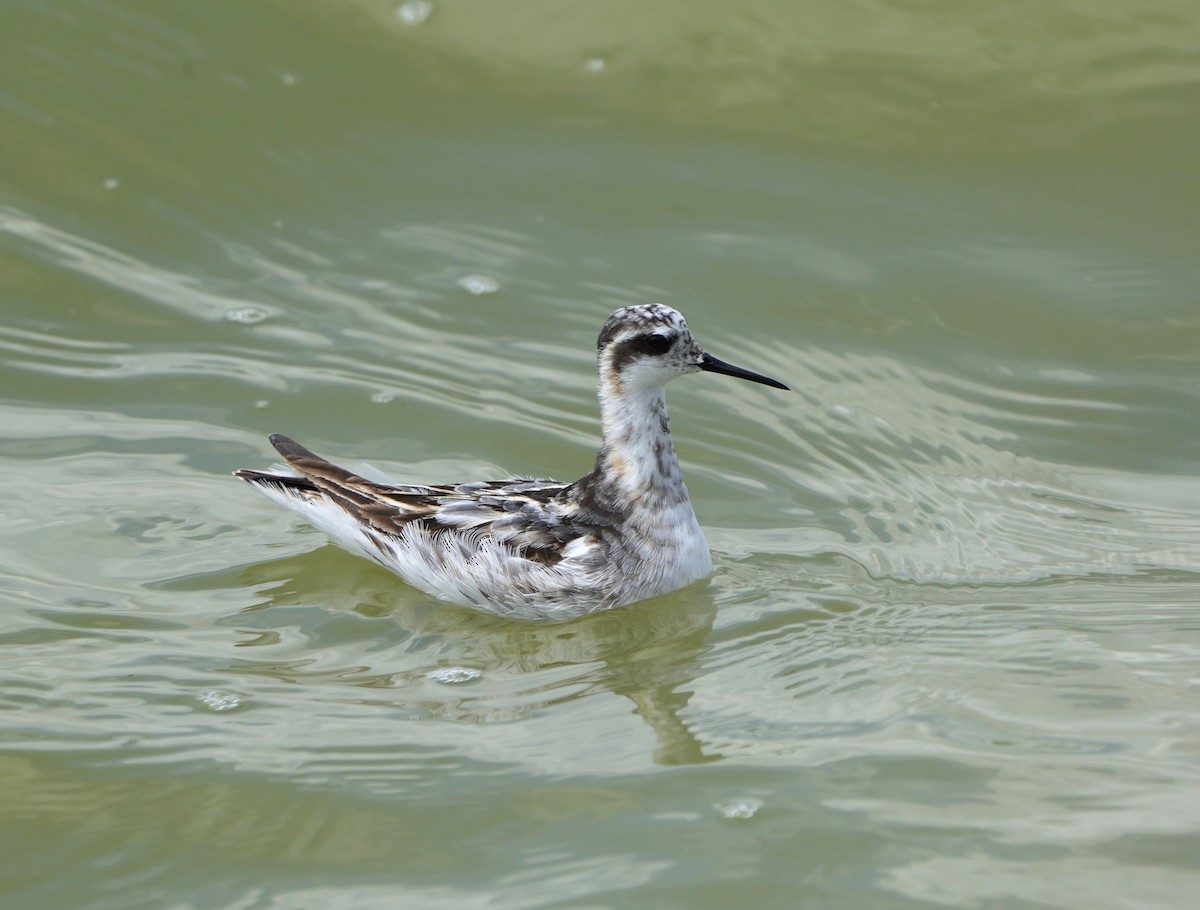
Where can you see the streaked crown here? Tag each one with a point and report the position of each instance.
(630, 321)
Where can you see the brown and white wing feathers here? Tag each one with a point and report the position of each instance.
(521, 514)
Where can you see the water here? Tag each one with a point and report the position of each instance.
(950, 652)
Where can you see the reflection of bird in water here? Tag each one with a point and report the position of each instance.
(649, 656)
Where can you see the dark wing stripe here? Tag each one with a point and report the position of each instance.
(285, 482)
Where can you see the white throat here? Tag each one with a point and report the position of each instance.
(637, 456)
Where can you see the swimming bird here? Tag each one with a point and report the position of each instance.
(538, 549)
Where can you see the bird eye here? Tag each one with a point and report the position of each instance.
(655, 344)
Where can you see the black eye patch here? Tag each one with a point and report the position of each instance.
(651, 343)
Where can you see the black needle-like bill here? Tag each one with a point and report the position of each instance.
(710, 364)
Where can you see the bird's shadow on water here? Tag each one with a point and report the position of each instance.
(332, 618)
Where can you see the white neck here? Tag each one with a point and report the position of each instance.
(637, 456)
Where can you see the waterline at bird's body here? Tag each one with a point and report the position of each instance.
(537, 548)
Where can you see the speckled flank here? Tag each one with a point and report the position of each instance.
(536, 548)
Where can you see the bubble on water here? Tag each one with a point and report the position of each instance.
(247, 315)
(840, 412)
(111, 183)
(740, 808)
(452, 676)
(595, 65)
(478, 284)
(218, 700)
(383, 397)
(289, 80)
(262, 403)
(414, 12)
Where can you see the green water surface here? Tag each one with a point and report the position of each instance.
(950, 652)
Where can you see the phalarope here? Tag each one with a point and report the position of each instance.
(538, 549)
